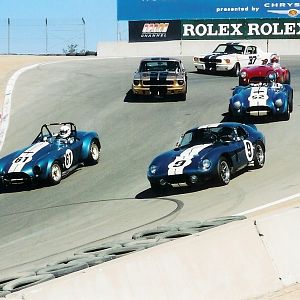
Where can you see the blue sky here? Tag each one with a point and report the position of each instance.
(27, 31)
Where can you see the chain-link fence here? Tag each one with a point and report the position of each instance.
(42, 36)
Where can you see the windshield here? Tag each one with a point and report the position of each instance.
(148, 66)
(229, 49)
(200, 136)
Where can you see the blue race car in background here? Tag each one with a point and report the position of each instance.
(57, 150)
(208, 152)
(262, 99)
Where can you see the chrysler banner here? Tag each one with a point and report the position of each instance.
(138, 10)
(240, 29)
(154, 31)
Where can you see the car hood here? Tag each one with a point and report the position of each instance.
(261, 71)
(159, 75)
(168, 159)
(214, 56)
(16, 161)
(266, 93)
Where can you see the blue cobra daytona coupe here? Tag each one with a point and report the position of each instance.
(57, 150)
(262, 99)
(208, 152)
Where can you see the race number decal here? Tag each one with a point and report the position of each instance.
(184, 159)
(68, 158)
(252, 60)
(26, 156)
(249, 150)
(258, 96)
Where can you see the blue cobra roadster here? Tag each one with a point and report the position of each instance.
(213, 151)
(57, 150)
(262, 99)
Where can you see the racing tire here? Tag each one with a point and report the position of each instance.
(151, 233)
(291, 104)
(223, 171)
(94, 152)
(55, 174)
(236, 70)
(259, 156)
(24, 282)
(287, 114)
(125, 250)
(63, 269)
(288, 78)
(182, 97)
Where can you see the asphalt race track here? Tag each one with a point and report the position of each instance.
(112, 200)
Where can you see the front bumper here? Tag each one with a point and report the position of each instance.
(213, 67)
(258, 111)
(16, 178)
(158, 90)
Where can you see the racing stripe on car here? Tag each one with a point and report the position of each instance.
(25, 157)
(258, 96)
(184, 159)
(158, 78)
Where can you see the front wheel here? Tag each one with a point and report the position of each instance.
(55, 174)
(94, 152)
(236, 70)
(259, 156)
(223, 171)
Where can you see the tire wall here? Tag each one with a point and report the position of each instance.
(239, 260)
(188, 48)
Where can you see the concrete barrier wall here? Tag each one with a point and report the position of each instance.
(187, 48)
(240, 260)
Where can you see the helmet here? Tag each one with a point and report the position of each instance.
(65, 131)
(274, 58)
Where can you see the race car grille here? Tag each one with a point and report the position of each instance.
(158, 82)
(266, 109)
(16, 178)
(176, 178)
(211, 60)
(258, 79)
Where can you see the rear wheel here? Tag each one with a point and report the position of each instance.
(94, 152)
(55, 174)
(259, 156)
(223, 171)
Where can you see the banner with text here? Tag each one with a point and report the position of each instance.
(137, 10)
(240, 29)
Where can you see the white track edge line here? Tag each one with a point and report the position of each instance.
(285, 199)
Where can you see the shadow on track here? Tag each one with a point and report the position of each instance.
(179, 190)
(248, 120)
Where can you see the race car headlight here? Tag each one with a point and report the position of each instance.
(136, 82)
(205, 164)
(152, 169)
(227, 60)
(243, 74)
(278, 102)
(180, 81)
(237, 104)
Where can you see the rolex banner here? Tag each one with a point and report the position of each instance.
(154, 31)
(240, 29)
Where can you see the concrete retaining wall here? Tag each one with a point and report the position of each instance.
(239, 260)
(187, 48)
